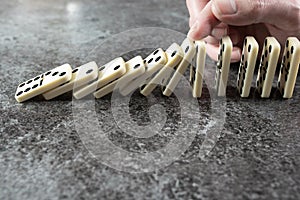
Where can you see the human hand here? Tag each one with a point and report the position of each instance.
(210, 20)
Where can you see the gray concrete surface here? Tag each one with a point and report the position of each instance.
(43, 157)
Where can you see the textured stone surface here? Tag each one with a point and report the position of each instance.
(43, 157)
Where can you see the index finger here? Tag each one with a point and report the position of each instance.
(204, 23)
(195, 7)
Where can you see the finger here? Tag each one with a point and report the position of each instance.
(204, 23)
(218, 33)
(211, 40)
(212, 51)
(221, 30)
(236, 35)
(195, 7)
(221, 25)
(236, 55)
(246, 12)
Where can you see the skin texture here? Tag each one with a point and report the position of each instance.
(212, 19)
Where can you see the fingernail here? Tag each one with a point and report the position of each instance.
(224, 7)
(193, 30)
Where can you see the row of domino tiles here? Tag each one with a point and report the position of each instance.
(267, 67)
(166, 68)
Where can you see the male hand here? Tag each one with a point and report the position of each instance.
(210, 20)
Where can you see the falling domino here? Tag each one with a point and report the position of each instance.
(189, 52)
(43, 82)
(174, 56)
(80, 76)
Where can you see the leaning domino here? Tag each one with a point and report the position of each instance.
(223, 66)
(174, 56)
(134, 67)
(267, 68)
(247, 66)
(43, 82)
(197, 69)
(137, 69)
(189, 52)
(80, 76)
(153, 63)
(289, 67)
(107, 73)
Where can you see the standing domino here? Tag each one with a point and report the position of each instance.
(189, 52)
(153, 63)
(107, 73)
(197, 69)
(267, 67)
(174, 56)
(43, 83)
(289, 67)
(223, 65)
(247, 66)
(134, 68)
(80, 76)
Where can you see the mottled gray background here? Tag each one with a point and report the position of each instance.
(42, 156)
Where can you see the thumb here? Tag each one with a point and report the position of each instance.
(246, 12)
